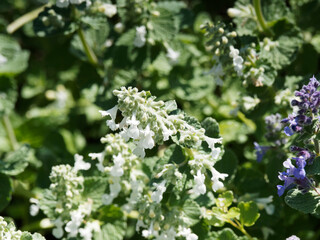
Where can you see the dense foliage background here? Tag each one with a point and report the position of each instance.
(51, 92)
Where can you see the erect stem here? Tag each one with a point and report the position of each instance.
(240, 227)
(8, 127)
(24, 19)
(262, 23)
(316, 146)
(88, 50)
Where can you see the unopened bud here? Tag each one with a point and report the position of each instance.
(155, 13)
(233, 12)
(221, 30)
(217, 43)
(224, 40)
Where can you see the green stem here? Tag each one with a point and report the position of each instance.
(262, 23)
(10, 132)
(240, 227)
(316, 146)
(24, 19)
(89, 52)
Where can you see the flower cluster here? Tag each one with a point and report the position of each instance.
(71, 213)
(296, 174)
(125, 168)
(161, 224)
(308, 105)
(8, 232)
(140, 38)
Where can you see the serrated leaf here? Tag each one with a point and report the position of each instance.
(8, 95)
(226, 234)
(303, 202)
(16, 59)
(5, 191)
(211, 126)
(94, 188)
(314, 168)
(288, 42)
(249, 213)
(190, 214)
(163, 29)
(115, 228)
(15, 162)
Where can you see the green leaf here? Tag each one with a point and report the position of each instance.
(16, 59)
(225, 199)
(163, 27)
(226, 234)
(249, 213)
(233, 212)
(313, 169)
(5, 191)
(288, 42)
(8, 95)
(116, 226)
(94, 188)
(37, 236)
(15, 162)
(211, 126)
(190, 214)
(303, 202)
(216, 219)
(95, 37)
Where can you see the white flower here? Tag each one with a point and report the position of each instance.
(199, 187)
(293, 237)
(215, 151)
(86, 232)
(58, 231)
(140, 38)
(108, 9)
(138, 151)
(80, 164)
(217, 184)
(133, 131)
(156, 196)
(140, 224)
(72, 226)
(113, 114)
(100, 158)
(146, 140)
(233, 52)
(186, 232)
(173, 55)
(34, 207)
(117, 170)
(3, 59)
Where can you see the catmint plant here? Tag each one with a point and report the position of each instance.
(303, 122)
